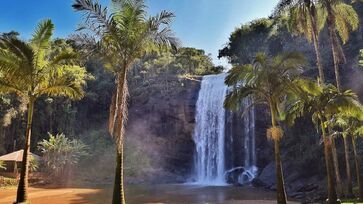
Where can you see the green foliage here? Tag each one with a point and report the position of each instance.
(125, 36)
(186, 61)
(61, 154)
(2, 165)
(32, 69)
(245, 42)
(267, 80)
(346, 20)
(33, 164)
(323, 102)
(8, 182)
(127, 33)
(304, 18)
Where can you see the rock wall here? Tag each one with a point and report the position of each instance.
(164, 124)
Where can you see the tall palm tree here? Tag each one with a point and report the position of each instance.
(341, 20)
(124, 36)
(359, 132)
(267, 81)
(305, 18)
(323, 102)
(31, 70)
(348, 125)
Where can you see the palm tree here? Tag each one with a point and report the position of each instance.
(31, 70)
(348, 125)
(124, 36)
(267, 81)
(341, 20)
(323, 102)
(359, 132)
(305, 18)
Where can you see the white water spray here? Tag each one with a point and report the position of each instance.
(210, 130)
(210, 139)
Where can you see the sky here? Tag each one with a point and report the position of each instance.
(203, 24)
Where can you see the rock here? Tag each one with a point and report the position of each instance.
(256, 182)
(298, 195)
(268, 175)
(163, 123)
(308, 188)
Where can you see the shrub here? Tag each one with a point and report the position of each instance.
(2, 165)
(6, 182)
(61, 154)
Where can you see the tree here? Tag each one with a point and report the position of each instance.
(322, 102)
(61, 154)
(348, 128)
(124, 36)
(2, 165)
(305, 18)
(245, 42)
(341, 20)
(267, 80)
(30, 70)
(359, 132)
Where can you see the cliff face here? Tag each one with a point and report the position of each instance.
(163, 123)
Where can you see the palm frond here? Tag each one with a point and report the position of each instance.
(20, 49)
(160, 31)
(16, 59)
(238, 74)
(64, 56)
(346, 20)
(63, 80)
(42, 35)
(96, 17)
(7, 88)
(235, 97)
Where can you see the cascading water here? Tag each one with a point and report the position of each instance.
(217, 150)
(249, 164)
(209, 133)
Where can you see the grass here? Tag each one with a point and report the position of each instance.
(351, 201)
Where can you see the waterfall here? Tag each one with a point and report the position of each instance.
(217, 150)
(249, 164)
(209, 133)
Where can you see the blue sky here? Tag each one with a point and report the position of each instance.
(204, 24)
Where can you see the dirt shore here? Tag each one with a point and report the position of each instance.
(174, 194)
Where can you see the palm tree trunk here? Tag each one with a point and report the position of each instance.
(118, 189)
(338, 54)
(347, 168)
(336, 67)
(315, 35)
(118, 115)
(281, 194)
(318, 60)
(22, 192)
(337, 169)
(280, 186)
(357, 170)
(332, 195)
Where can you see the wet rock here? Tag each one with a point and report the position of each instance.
(256, 182)
(268, 175)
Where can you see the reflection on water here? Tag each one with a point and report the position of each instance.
(137, 194)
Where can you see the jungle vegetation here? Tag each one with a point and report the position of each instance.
(321, 23)
(282, 62)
